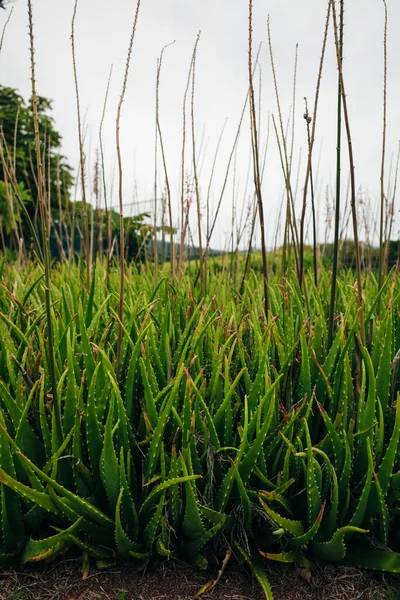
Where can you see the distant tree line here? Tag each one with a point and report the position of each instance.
(18, 189)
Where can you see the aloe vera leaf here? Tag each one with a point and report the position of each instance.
(44, 427)
(247, 464)
(302, 540)
(247, 506)
(154, 450)
(31, 288)
(286, 557)
(194, 547)
(276, 497)
(259, 571)
(25, 436)
(334, 438)
(369, 557)
(186, 418)
(11, 524)
(220, 414)
(226, 487)
(131, 377)
(148, 360)
(125, 434)
(90, 301)
(92, 549)
(313, 492)
(8, 349)
(8, 558)
(388, 461)
(148, 395)
(174, 503)
(109, 467)
(11, 406)
(383, 513)
(376, 297)
(43, 549)
(334, 550)
(379, 435)
(212, 432)
(347, 404)
(101, 535)
(368, 414)
(317, 344)
(102, 312)
(21, 336)
(107, 362)
(124, 543)
(129, 482)
(94, 439)
(156, 361)
(26, 492)
(286, 462)
(331, 515)
(215, 380)
(395, 481)
(296, 528)
(344, 479)
(276, 441)
(255, 389)
(90, 364)
(151, 498)
(33, 480)
(384, 369)
(192, 525)
(214, 516)
(179, 356)
(262, 578)
(79, 504)
(71, 395)
(304, 384)
(361, 507)
(151, 528)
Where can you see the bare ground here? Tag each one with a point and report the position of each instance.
(62, 580)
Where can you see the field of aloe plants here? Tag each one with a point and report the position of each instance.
(243, 409)
(218, 432)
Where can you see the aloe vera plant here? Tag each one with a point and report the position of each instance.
(222, 428)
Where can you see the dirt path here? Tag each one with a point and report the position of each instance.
(62, 580)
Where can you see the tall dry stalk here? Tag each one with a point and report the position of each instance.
(381, 274)
(195, 173)
(120, 191)
(256, 159)
(184, 203)
(211, 180)
(81, 153)
(4, 28)
(338, 183)
(286, 162)
(103, 177)
(352, 177)
(310, 148)
(45, 233)
(167, 186)
(314, 221)
(391, 213)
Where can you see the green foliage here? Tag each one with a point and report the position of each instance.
(16, 118)
(222, 429)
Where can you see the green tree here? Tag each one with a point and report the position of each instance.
(17, 138)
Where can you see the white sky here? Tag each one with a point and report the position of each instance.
(102, 35)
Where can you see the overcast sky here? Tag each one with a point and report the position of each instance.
(102, 35)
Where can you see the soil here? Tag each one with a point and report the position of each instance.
(62, 580)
